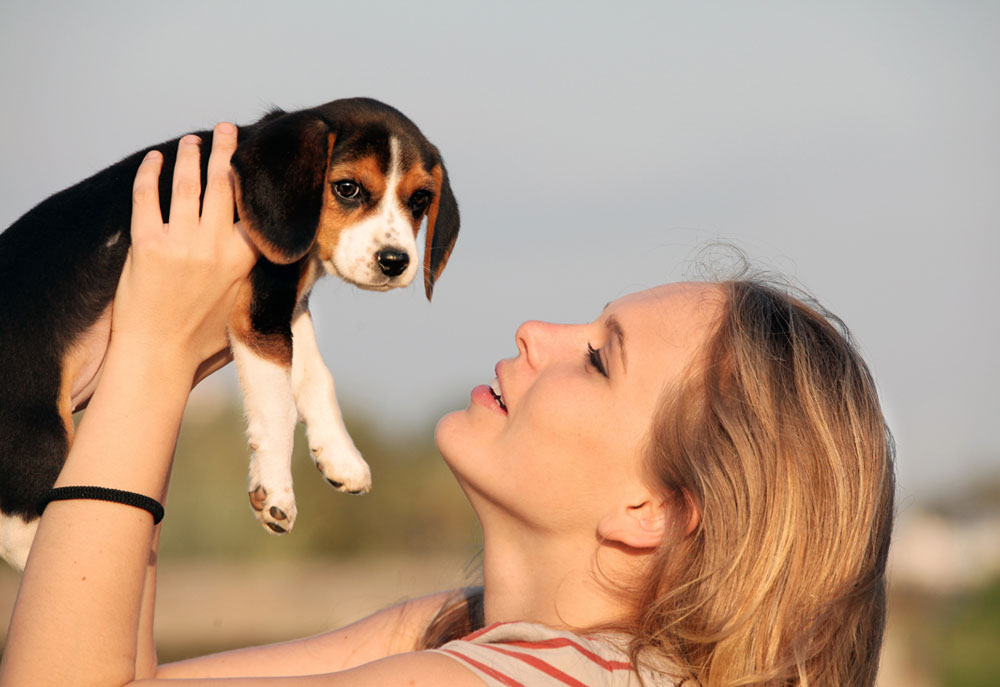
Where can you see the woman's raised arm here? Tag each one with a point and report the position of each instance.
(388, 632)
(77, 614)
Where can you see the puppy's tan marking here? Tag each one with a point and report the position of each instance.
(364, 170)
(69, 372)
(414, 179)
(273, 347)
(81, 368)
(334, 217)
(432, 213)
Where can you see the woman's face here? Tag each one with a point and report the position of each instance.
(564, 443)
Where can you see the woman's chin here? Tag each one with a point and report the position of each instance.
(462, 443)
(446, 432)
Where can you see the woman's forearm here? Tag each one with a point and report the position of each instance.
(146, 659)
(77, 614)
(392, 631)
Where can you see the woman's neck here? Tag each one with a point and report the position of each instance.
(554, 580)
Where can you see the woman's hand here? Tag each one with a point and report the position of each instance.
(181, 279)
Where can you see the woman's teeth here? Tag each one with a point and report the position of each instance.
(495, 388)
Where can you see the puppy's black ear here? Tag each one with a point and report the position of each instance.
(280, 174)
(442, 229)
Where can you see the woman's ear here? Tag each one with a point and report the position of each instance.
(693, 512)
(640, 526)
(643, 523)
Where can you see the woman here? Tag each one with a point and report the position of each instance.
(694, 488)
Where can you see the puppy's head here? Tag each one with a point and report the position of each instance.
(349, 183)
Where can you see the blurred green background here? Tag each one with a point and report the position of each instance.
(945, 572)
(415, 505)
(225, 582)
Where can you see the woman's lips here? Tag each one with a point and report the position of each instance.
(483, 395)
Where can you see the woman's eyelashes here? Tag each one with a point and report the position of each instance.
(594, 358)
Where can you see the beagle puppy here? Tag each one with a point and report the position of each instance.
(337, 189)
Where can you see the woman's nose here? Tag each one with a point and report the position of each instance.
(540, 342)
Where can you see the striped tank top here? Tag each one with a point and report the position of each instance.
(531, 655)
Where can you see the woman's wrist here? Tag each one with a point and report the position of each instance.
(164, 364)
(140, 399)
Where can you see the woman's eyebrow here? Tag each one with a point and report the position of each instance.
(615, 327)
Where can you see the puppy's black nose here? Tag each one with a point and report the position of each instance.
(392, 262)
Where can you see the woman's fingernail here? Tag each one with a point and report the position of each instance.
(191, 139)
(153, 155)
(225, 128)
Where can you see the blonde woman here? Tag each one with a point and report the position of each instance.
(694, 488)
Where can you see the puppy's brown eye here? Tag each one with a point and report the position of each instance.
(348, 190)
(419, 202)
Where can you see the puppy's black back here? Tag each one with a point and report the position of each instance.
(59, 268)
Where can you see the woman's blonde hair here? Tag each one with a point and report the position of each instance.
(778, 439)
(776, 436)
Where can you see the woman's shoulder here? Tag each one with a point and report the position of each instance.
(512, 654)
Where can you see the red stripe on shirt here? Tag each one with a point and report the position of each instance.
(560, 642)
(495, 674)
(480, 633)
(539, 664)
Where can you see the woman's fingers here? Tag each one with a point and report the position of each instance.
(218, 205)
(146, 214)
(181, 280)
(186, 194)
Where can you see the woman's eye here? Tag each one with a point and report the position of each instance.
(594, 358)
(419, 202)
(348, 190)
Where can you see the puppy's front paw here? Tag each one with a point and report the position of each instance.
(341, 464)
(275, 509)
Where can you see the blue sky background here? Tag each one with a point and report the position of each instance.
(594, 150)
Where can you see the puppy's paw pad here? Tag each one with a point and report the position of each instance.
(258, 497)
(333, 483)
(274, 509)
(350, 478)
(341, 464)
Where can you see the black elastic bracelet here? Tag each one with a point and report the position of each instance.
(129, 498)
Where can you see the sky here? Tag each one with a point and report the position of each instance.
(595, 149)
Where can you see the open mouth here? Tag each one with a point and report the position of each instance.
(497, 394)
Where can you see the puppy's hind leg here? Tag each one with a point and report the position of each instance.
(331, 446)
(36, 439)
(271, 417)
